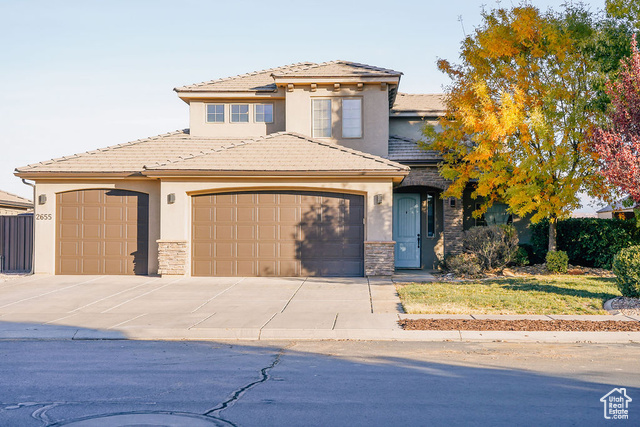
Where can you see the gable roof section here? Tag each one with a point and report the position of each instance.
(255, 81)
(178, 151)
(408, 150)
(337, 68)
(264, 80)
(129, 158)
(419, 105)
(8, 199)
(282, 152)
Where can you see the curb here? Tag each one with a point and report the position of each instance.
(211, 334)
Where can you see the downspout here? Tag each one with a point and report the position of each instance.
(33, 232)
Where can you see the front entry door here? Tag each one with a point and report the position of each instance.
(406, 229)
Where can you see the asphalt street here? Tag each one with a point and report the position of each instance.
(96, 383)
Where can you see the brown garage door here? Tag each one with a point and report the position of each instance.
(278, 233)
(102, 232)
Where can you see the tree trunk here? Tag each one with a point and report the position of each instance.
(553, 222)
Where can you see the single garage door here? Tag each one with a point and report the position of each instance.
(102, 232)
(278, 233)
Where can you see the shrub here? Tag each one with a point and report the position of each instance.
(557, 261)
(626, 267)
(521, 257)
(464, 265)
(590, 242)
(494, 246)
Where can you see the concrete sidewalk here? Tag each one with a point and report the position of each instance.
(108, 307)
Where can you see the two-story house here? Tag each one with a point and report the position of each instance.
(306, 169)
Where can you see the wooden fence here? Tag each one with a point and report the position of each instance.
(16, 243)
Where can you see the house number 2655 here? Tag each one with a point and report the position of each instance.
(43, 217)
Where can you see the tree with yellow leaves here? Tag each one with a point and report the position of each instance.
(518, 114)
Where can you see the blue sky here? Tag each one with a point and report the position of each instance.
(78, 75)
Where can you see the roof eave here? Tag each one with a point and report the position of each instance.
(34, 174)
(165, 173)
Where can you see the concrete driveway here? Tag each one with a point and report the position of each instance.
(193, 308)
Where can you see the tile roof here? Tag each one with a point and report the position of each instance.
(180, 151)
(337, 69)
(419, 104)
(409, 150)
(263, 80)
(250, 82)
(132, 156)
(14, 200)
(283, 151)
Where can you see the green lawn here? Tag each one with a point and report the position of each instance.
(531, 295)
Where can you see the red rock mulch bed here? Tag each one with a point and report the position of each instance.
(519, 325)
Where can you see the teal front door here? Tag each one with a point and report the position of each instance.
(406, 229)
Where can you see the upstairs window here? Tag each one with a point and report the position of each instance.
(239, 113)
(264, 113)
(215, 113)
(321, 118)
(352, 118)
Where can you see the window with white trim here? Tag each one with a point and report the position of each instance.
(352, 118)
(321, 118)
(215, 113)
(263, 113)
(239, 113)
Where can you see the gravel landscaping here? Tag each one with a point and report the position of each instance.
(519, 325)
(627, 306)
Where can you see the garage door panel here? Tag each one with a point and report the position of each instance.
(71, 249)
(102, 232)
(224, 250)
(243, 232)
(71, 213)
(70, 231)
(245, 214)
(87, 197)
(278, 233)
(90, 249)
(205, 230)
(202, 214)
(224, 214)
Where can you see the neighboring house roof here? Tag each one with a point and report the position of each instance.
(11, 200)
(410, 104)
(180, 151)
(264, 80)
(409, 150)
(620, 206)
(282, 152)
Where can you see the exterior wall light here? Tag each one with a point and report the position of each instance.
(42, 199)
(452, 202)
(377, 199)
(171, 198)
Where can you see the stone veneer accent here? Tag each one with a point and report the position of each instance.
(172, 257)
(379, 258)
(452, 222)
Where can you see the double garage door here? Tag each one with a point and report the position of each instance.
(265, 233)
(102, 232)
(278, 233)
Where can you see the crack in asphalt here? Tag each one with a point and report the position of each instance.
(40, 414)
(236, 395)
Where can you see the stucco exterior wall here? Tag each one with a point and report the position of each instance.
(375, 115)
(176, 218)
(45, 229)
(199, 126)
